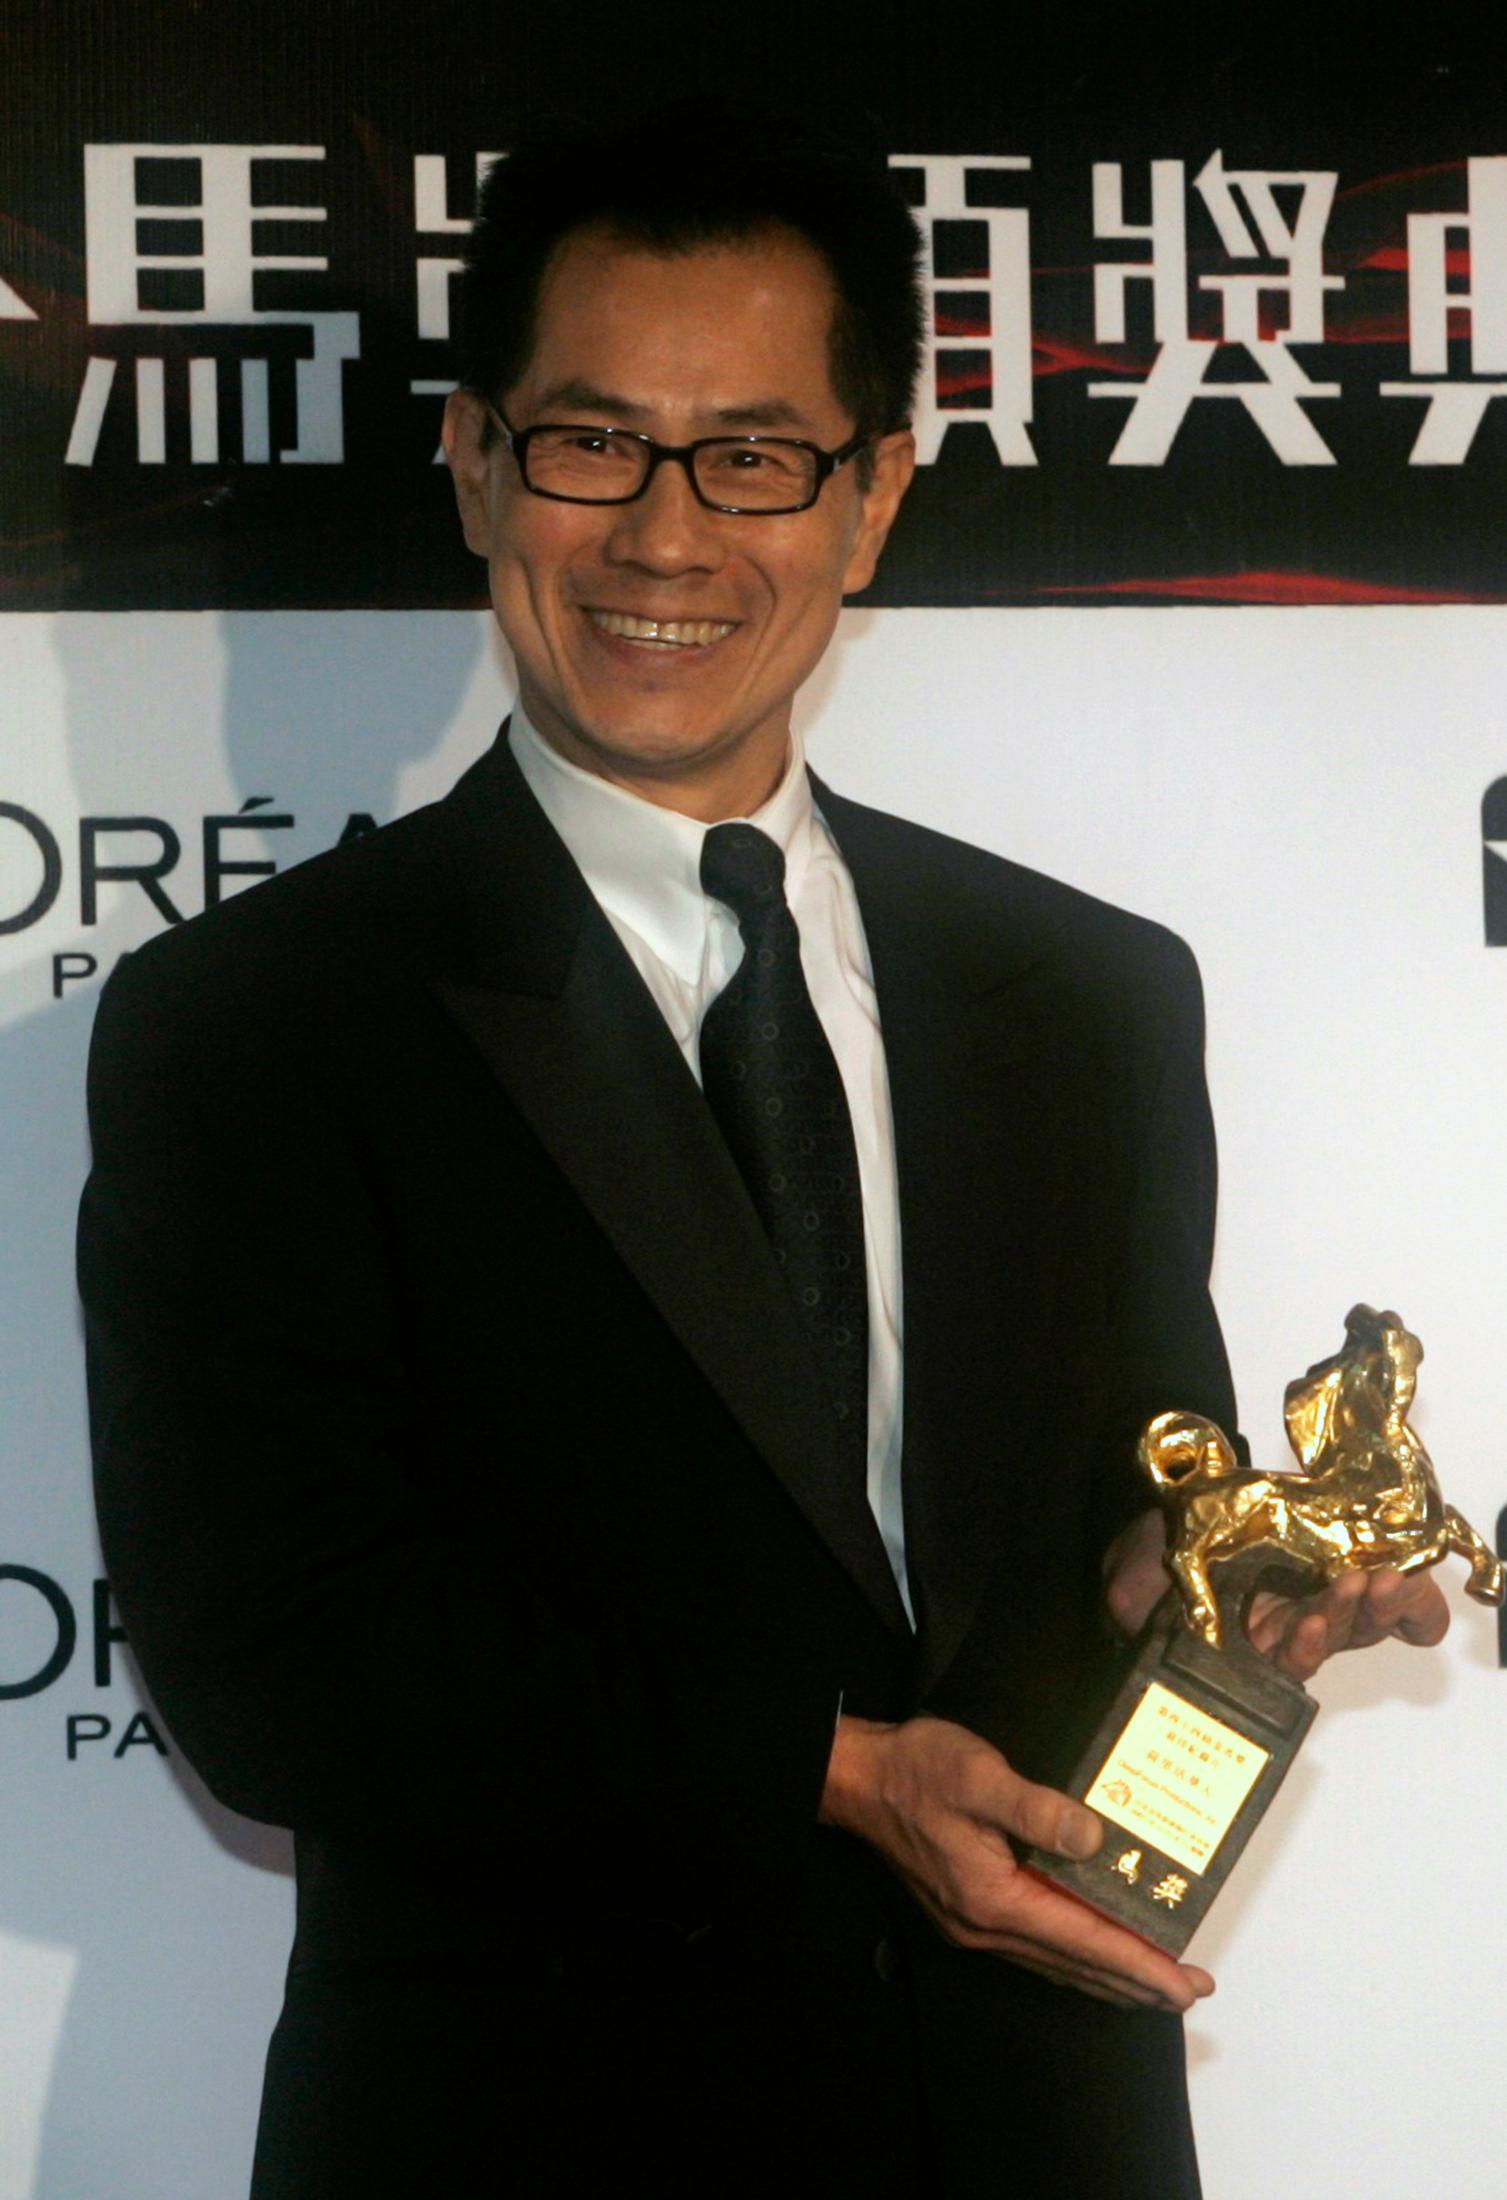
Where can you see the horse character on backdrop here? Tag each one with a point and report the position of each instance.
(1368, 1496)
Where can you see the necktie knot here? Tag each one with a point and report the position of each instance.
(745, 869)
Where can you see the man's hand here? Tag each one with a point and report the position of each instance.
(1296, 1633)
(1299, 1633)
(940, 1806)
(1135, 1573)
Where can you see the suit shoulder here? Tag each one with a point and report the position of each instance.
(286, 971)
(990, 907)
(316, 922)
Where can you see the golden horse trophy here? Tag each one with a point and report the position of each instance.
(1203, 1728)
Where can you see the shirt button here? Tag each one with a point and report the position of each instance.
(886, 1960)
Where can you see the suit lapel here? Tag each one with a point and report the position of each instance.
(971, 1039)
(553, 1003)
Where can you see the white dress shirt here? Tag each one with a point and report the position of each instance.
(643, 864)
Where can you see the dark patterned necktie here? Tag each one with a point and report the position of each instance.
(774, 1087)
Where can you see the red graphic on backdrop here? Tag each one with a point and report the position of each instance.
(1270, 588)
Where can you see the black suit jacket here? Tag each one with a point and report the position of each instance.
(465, 1484)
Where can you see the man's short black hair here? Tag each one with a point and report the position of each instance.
(686, 176)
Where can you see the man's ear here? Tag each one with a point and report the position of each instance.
(894, 464)
(468, 455)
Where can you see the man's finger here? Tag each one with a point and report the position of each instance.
(1082, 1979)
(1424, 1627)
(1298, 1641)
(1175, 1995)
(1411, 1606)
(1054, 1928)
(1094, 1978)
(1043, 1816)
(1355, 1610)
(1031, 1921)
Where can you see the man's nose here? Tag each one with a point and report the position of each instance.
(668, 529)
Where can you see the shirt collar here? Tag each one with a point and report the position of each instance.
(642, 862)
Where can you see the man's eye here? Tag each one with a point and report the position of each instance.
(754, 459)
(594, 446)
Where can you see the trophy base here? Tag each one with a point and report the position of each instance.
(1181, 1768)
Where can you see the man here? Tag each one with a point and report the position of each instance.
(621, 1305)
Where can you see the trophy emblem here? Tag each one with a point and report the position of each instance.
(1204, 1728)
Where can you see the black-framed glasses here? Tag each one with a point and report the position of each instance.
(738, 474)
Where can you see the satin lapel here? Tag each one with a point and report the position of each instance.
(554, 1004)
(970, 1041)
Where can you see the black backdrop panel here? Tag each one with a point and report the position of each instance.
(1279, 403)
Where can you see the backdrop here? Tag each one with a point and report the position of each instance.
(1198, 343)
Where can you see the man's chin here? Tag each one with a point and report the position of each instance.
(658, 756)
(649, 752)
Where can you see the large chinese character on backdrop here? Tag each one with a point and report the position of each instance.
(1262, 314)
(172, 241)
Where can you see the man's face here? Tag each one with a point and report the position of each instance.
(729, 340)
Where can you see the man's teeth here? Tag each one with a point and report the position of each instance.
(673, 633)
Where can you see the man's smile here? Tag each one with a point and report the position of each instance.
(660, 634)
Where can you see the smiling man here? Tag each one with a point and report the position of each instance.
(641, 1493)
(657, 644)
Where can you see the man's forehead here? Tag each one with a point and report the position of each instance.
(737, 330)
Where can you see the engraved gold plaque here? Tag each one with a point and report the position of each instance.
(1178, 1776)
(1203, 1728)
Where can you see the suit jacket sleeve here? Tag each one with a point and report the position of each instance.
(1132, 1331)
(1165, 1346)
(337, 1646)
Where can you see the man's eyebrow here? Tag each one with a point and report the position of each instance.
(575, 393)
(764, 412)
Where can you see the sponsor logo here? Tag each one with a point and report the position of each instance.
(61, 876)
(40, 1643)
(1494, 862)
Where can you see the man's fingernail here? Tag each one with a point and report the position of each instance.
(1080, 1836)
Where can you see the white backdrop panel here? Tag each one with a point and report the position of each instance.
(1298, 793)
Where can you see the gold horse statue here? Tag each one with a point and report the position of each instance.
(1368, 1496)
